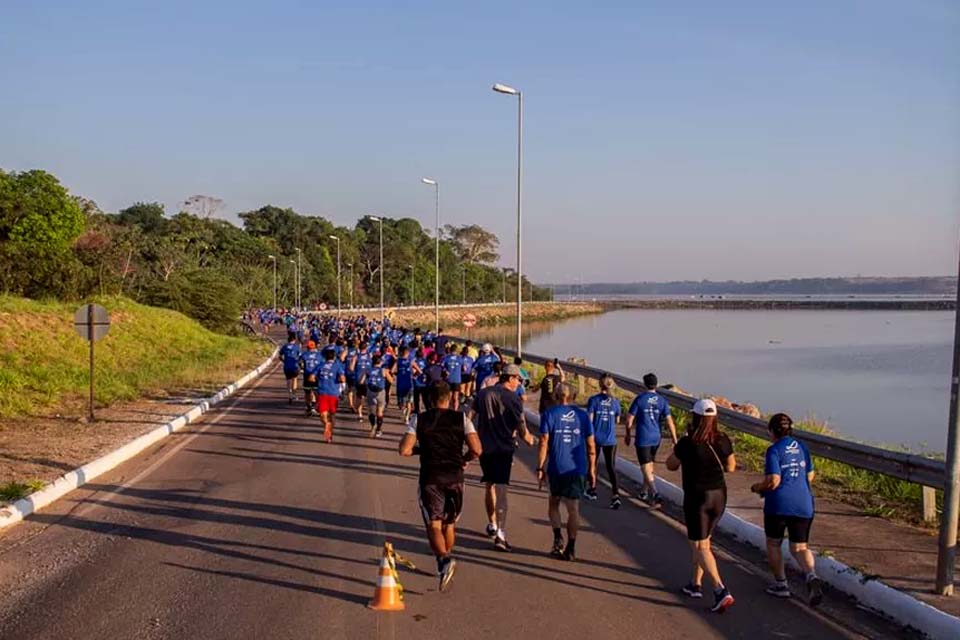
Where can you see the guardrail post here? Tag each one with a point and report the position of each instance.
(929, 504)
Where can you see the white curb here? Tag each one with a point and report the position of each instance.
(871, 593)
(11, 514)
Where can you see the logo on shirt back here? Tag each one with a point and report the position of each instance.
(793, 447)
(570, 415)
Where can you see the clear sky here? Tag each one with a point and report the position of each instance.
(663, 140)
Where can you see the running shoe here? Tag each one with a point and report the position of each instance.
(656, 501)
(723, 601)
(569, 555)
(779, 590)
(814, 591)
(491, 530)
(446, 574)
(378, 433)
(557, 550)
(590, 494)
(501, 544)
(644, 497)
(693, 590)
(615, 502)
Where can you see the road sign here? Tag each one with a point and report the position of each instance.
(91, 322)
(469, 320)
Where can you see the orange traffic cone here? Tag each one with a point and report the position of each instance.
(388, 596)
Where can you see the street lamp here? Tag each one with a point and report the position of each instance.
(380, 220)
(502, 88)
(299, 278)
(350, 267)
(436, 279)
(338, 272)
(294, 263)
(274, 258)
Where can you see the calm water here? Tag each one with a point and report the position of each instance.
(875, 376)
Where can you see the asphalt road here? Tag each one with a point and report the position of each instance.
(248, 526)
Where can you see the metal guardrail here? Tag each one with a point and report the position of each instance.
(903, 466)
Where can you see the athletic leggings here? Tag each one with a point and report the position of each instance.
(610, 460)
(419, 393)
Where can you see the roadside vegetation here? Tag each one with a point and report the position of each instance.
(44, 364)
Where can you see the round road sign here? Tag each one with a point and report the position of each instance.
(469, 320)
(91, 322)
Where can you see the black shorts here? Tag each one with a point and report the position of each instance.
(467, 377)
(454, 387)
(647, 455)
(290, 374)
(798, 529)
(568, 485)
(496, 467)
(441, 501)
(309, 386)
(362, 388)
(702, 511)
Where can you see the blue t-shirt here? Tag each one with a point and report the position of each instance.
(568, 428)
(421, 380)
(650, 410)
(789, 459)
(605, 409)
(453, 365)
(375, 380)
(404, 374)
(351, 372)
(328, 378)
(467, 364)
(290, 353)
(311, 362)
(364, 360)
(484, 366)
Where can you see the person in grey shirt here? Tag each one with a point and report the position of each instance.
(498, 414)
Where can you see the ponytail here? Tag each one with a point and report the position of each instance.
(780, 425)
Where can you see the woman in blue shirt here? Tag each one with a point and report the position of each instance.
(604, 411)
(788, 506)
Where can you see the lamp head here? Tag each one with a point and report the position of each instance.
(502, 88)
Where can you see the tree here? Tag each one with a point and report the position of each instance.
(37, 213)
(146, 215)
(473, 243)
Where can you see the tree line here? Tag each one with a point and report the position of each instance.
(57, 245)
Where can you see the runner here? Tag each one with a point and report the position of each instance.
(362, 364)
(468, 362)
(453, 372)
(498, 413)
(350, 372)
(568, 450)
(483, 367)
(439, 436)
(329, 377)
(403, 372)
(788, 506)
(290, 355)
(552, 377)
(653, 411)
(419, 380)
(604, 412)
(433, 374)
(309, 363)
(705, 453)
(374, 381)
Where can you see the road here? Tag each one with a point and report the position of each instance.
(248, 526)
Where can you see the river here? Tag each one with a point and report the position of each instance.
(874, 376)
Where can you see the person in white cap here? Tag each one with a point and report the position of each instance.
(484, 365)
(705, 455)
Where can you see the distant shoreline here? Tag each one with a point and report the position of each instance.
(780, 305)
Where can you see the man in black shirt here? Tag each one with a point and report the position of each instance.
(439, 435)
(498, 411)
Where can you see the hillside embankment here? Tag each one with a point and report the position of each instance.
(451, 318)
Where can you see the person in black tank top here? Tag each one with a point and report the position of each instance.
(439, 436)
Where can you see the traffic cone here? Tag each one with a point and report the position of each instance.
(388, 596)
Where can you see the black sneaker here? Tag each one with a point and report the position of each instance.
(656, 501)
(590, 494)
(501, 544)
(814, 591)
(722, 600)
(693, 590)
(569, 554)
(557, 550)
(615, 502)
(491, 530)
(778, 590)
(446, 574)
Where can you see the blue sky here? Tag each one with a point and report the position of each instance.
(663, 140)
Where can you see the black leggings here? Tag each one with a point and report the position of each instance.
(702, 510)
(610, 460)
(419, 393)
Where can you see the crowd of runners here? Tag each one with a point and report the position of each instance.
(462, 402)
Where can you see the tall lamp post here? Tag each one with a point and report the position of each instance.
(338, 273)
(502, 88)
(436, 267)
(274, 258)
(947, 552)
(350, 267)
(294, 263)
(380, 220)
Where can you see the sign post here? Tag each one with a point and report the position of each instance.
(91, 322)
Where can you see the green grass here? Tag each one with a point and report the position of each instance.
(44, 364)
(13, 491)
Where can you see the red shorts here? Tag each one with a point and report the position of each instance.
(327, 404)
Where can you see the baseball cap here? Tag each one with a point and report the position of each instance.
(511, 370)
(487, 347)
(705, 407)
(311, 344)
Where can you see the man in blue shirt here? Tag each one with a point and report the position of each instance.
(329, 377)
(310, 362)
(788, 506)
(567, 454)
(453, 371)
(604, 412)
(484, 365)
(290, 356)
(651, 411)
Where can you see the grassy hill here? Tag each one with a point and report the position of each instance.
(44, 363)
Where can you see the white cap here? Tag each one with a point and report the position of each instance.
(487, 347)
(705, 407)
